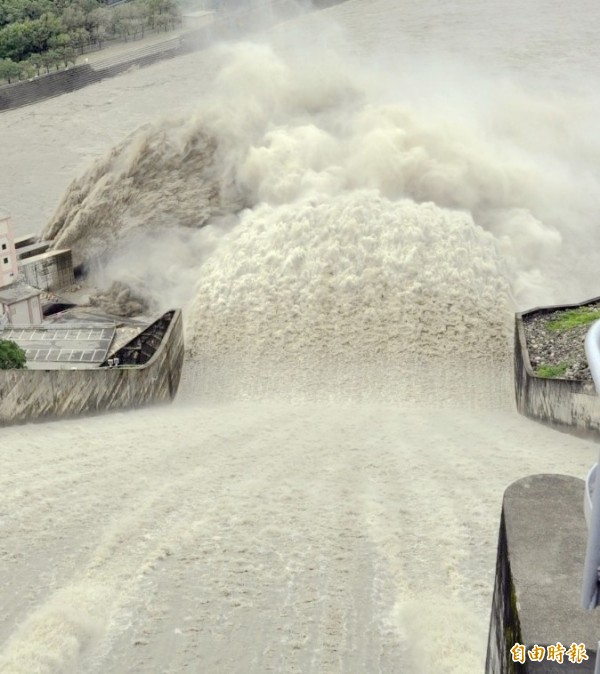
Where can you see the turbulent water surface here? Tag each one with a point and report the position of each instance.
(349, 209)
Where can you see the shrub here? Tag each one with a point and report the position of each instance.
(12, 356)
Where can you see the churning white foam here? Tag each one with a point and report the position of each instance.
(356, 276)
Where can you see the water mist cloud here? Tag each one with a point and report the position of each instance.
(278, 135)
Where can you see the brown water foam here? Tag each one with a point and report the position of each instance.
(298, 211)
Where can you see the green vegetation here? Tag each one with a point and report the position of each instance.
(574, 318)
(551, 371)
(12, 356)
(39, 35)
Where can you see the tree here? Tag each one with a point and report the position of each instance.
(60, 41)
(118, 24)
(79, 38)
(73, 18)
(16, 40)
(15, 11)
(66, 27)
(61, 45)
(88, 7)
(100, 20)
(9, 70)
(66, 55)
(12, 356)
(19, 40)
(135, 17)
(51, 58)
(36, 62)
(28, 70)
(48, 27)
(162, 14)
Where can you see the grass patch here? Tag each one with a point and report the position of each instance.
(574, 318)
(551, 371)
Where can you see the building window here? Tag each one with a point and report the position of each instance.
(5, 260)
(3, 246)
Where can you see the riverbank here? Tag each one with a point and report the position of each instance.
(119, 58)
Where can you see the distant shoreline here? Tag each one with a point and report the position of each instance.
(23, 93)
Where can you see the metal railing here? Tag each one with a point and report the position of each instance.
(590, 595)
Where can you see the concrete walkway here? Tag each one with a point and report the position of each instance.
(125, 49)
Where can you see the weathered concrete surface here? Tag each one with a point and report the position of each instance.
(34, 395)
(567, 405)
(541, 551)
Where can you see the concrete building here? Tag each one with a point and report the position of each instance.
(51, 270)
(9, 267)
(20, 304)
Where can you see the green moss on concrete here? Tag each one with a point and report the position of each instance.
(574, 318)
(512, 634)
(551, 371)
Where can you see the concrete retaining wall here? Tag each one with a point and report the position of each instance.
(38, 395)
(62, 82)
(541, 551)
(567, 405)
